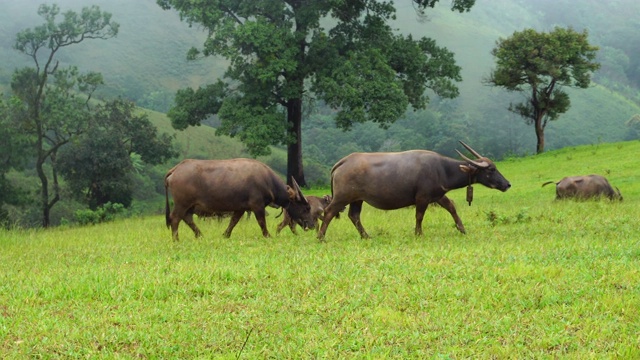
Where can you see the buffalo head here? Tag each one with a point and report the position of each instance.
(483, 171)
(299, 209)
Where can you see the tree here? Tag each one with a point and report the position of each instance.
(14, 151)
(101, 163)
(55, 101)
(283, 52)
(542, 64)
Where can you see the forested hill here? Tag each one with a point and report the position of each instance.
(146, 63)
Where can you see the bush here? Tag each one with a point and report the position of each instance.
(104, 213)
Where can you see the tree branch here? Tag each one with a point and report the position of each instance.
(231, 14)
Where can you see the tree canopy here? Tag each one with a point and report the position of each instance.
(284, 53)
(542, 63)
(99, 166)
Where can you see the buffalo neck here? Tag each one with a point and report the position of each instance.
(281, 196)
(455, 177)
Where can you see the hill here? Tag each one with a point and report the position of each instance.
(146, 63)
(201, 143)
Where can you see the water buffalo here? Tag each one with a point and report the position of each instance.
(585, 187)
(207, 187)
(395, 180)
(317, 210)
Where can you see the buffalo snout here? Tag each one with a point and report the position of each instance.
(505, 187)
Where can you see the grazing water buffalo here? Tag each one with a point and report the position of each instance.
(207, 187)
(317, 210)
(585, 187)
(395, 180)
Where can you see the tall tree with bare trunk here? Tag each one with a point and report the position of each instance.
(284, 52)
(55, 101)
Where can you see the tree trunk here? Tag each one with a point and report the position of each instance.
(294, 151)
(539, 135)
(44, 193)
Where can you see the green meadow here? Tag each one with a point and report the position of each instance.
(532, 278)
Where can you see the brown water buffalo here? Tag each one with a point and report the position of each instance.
(317, 211)
(585, 187)
(395, 180)
(207, 187)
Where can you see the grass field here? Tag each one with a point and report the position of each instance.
(533, 278)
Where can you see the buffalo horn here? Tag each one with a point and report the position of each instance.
(482, 164)
(475, 153)
(296, 187)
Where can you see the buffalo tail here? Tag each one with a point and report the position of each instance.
(166, 205)
(547, 183)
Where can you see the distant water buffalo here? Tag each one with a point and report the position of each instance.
(395, 180)
(585, 187)
(208, 187)
(318, 204)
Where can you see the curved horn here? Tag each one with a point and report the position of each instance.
(475, 153)
(482, 164)
(296, 187)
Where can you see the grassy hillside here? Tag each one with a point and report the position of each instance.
(533, 278)
(201, 143)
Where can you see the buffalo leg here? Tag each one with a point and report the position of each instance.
(281, 226)
(292, 226)
(420, 210)
(354, 214)
(329, 213)
(188, 219)
(175, 222)
(286, 220)
(260, 217)
(232, 223)
(446, 203)
(175, 217)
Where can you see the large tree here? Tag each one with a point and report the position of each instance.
(541, 64)
(283, 52)
(56, 101)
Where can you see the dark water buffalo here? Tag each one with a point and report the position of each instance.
(395, 180)
(585, 187)
(207, 187)
(317, 211)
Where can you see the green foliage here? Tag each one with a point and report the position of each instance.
(542, 63)
(255, 123)
(14, 151)
(103, 213)
(100, 164)
(193, 107)
(495, 219)
(458, 5)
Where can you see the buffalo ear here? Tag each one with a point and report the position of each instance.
(467, 169)
(291, 192)
(299, 195)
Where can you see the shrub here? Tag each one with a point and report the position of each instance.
(105, 213)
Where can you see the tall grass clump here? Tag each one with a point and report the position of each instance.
(532, 278)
